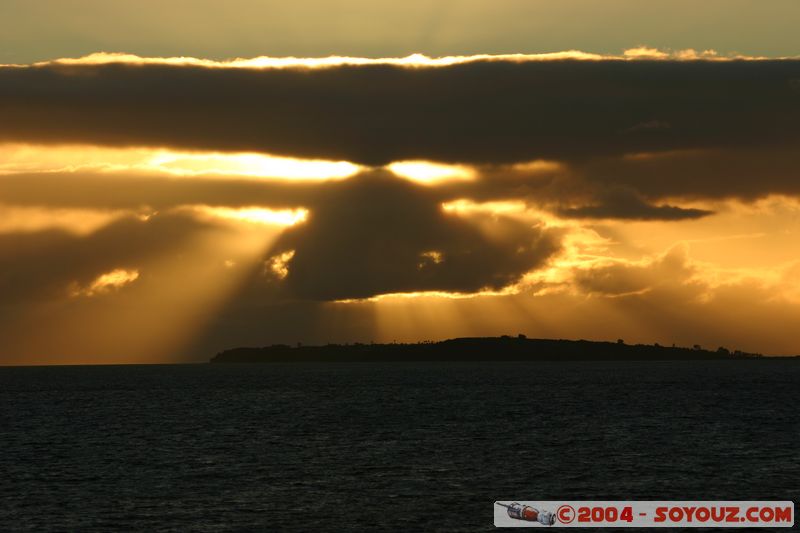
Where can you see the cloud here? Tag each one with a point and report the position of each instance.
(621, 278)
(668, 297)
(747, 173)
(137, 190)
(483, 111)
(105, 283)
(619, 203)
(49, 264)
(514, 172)
(416, 60)
(369, 235)
(652, 125)
(376, 234)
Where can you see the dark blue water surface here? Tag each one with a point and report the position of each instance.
(383, 447)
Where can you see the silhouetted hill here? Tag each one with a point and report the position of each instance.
(474, 349)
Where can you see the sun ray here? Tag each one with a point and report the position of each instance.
(18, 158)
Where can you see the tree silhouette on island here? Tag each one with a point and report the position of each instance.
(504, 348)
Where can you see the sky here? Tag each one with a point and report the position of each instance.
(177, 178)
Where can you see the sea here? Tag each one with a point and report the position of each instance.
(383, 447)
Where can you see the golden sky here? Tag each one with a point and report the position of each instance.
(37, 30)
(161, 201)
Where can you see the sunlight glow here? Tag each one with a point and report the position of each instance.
(429, 173)
(501, 207)
(15, 219)
(255, 215)
(538, 166)
(517, 209)
(268, 62)
(278, 265)
(18, 157)
(430, 257)
(250, 165)
(186, 287)
(105, 283)
(689, 54)
(422, 295)
(411, 61)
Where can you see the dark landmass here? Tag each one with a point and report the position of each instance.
(503, 348)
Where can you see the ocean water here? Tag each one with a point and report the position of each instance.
(383, 447)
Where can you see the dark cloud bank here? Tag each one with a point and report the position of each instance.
(479, 112)
(369, 235)
(709, 130)
(41, 265)
(713, 129)
(624, 203)
(376, 234)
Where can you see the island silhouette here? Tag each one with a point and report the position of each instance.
(504, 348)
